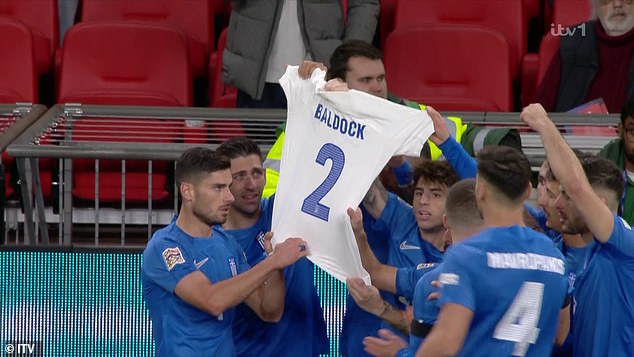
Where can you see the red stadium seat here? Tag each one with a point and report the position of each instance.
(193, 17)
(504, 16)
(41, 18)
(547, 50)
(125, 64)
(532, 8)
(570, 12)
(18, 81)
(386, 19)
(436, 65)
(18, 77)
(222, 96)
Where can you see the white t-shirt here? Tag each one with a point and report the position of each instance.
(335, 145)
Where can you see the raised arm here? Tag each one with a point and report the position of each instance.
(216, 297)
(383, 276)
(464, 165)
(369, 299)
(376, 199)
(569, 172)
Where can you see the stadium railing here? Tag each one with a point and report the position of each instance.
(54, 135)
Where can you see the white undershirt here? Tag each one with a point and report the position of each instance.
(288, 44)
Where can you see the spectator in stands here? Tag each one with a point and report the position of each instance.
(621, 151)
(265, 36)
(302, 330)
(596, 61)
(192, 280)
(603, 323)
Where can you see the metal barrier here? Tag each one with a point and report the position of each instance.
(14, 120)
(74, 131)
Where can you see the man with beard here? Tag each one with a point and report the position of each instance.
(192, 279)
(301, 330)
(621, 151)
(597, 61)
(603, 323)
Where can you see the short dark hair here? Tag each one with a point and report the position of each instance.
(603, 173)
(436, 171)
(628, 110)
(198, 160)
(461, 206)
(505, 168)
(353, 48)
(239, 146)
(581, 155)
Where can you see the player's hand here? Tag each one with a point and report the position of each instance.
(386, 345)
(441, 132)
(336, 85)
(306, 69)
(289, 251)
(396, 161)
(268, 246)
(356, 221)
(366, 296)
(535, 116)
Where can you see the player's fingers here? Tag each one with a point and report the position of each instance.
(386, 334)
(433, 296)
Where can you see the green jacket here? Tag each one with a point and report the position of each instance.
(614, 151)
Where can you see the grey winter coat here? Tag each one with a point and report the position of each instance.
(253, 24)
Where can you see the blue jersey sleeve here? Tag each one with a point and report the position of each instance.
(456, 282)
(464, 165)
(406, 279)
(621, 242)
(166, 263)
(396, 215)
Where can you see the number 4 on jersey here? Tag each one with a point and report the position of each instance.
(519, 323)
(311, 204)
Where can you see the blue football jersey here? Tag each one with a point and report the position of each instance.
(603, 298)
(180, 328)
(514, 281)
(357, 323)
(302, 329)
(406, 247)
(407, 278)
(425, 311)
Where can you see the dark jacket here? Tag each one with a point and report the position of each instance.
(614, 152)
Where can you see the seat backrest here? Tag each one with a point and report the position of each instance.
(222, 95)
(39, 15)
(125, 63)
(194, 17)
(570, 12)
(547, 50)
(451, 67)
(504, 16)
(18, 78)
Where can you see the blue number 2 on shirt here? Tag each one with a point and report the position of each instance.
(311, 203)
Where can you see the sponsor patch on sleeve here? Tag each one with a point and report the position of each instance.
(173, 256)
(449, 279)
(425, 266)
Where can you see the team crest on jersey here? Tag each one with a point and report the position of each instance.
(173, 256)
(233, 266)
(449, 279)
(425, 266)
(260, 239)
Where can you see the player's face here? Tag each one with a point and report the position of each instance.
(429, 205)
(616, 16)
(571, 220)
(627, 134)
(247, 185)
(547, 203)
(211, 197)
(541, 182)
(367, 75)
